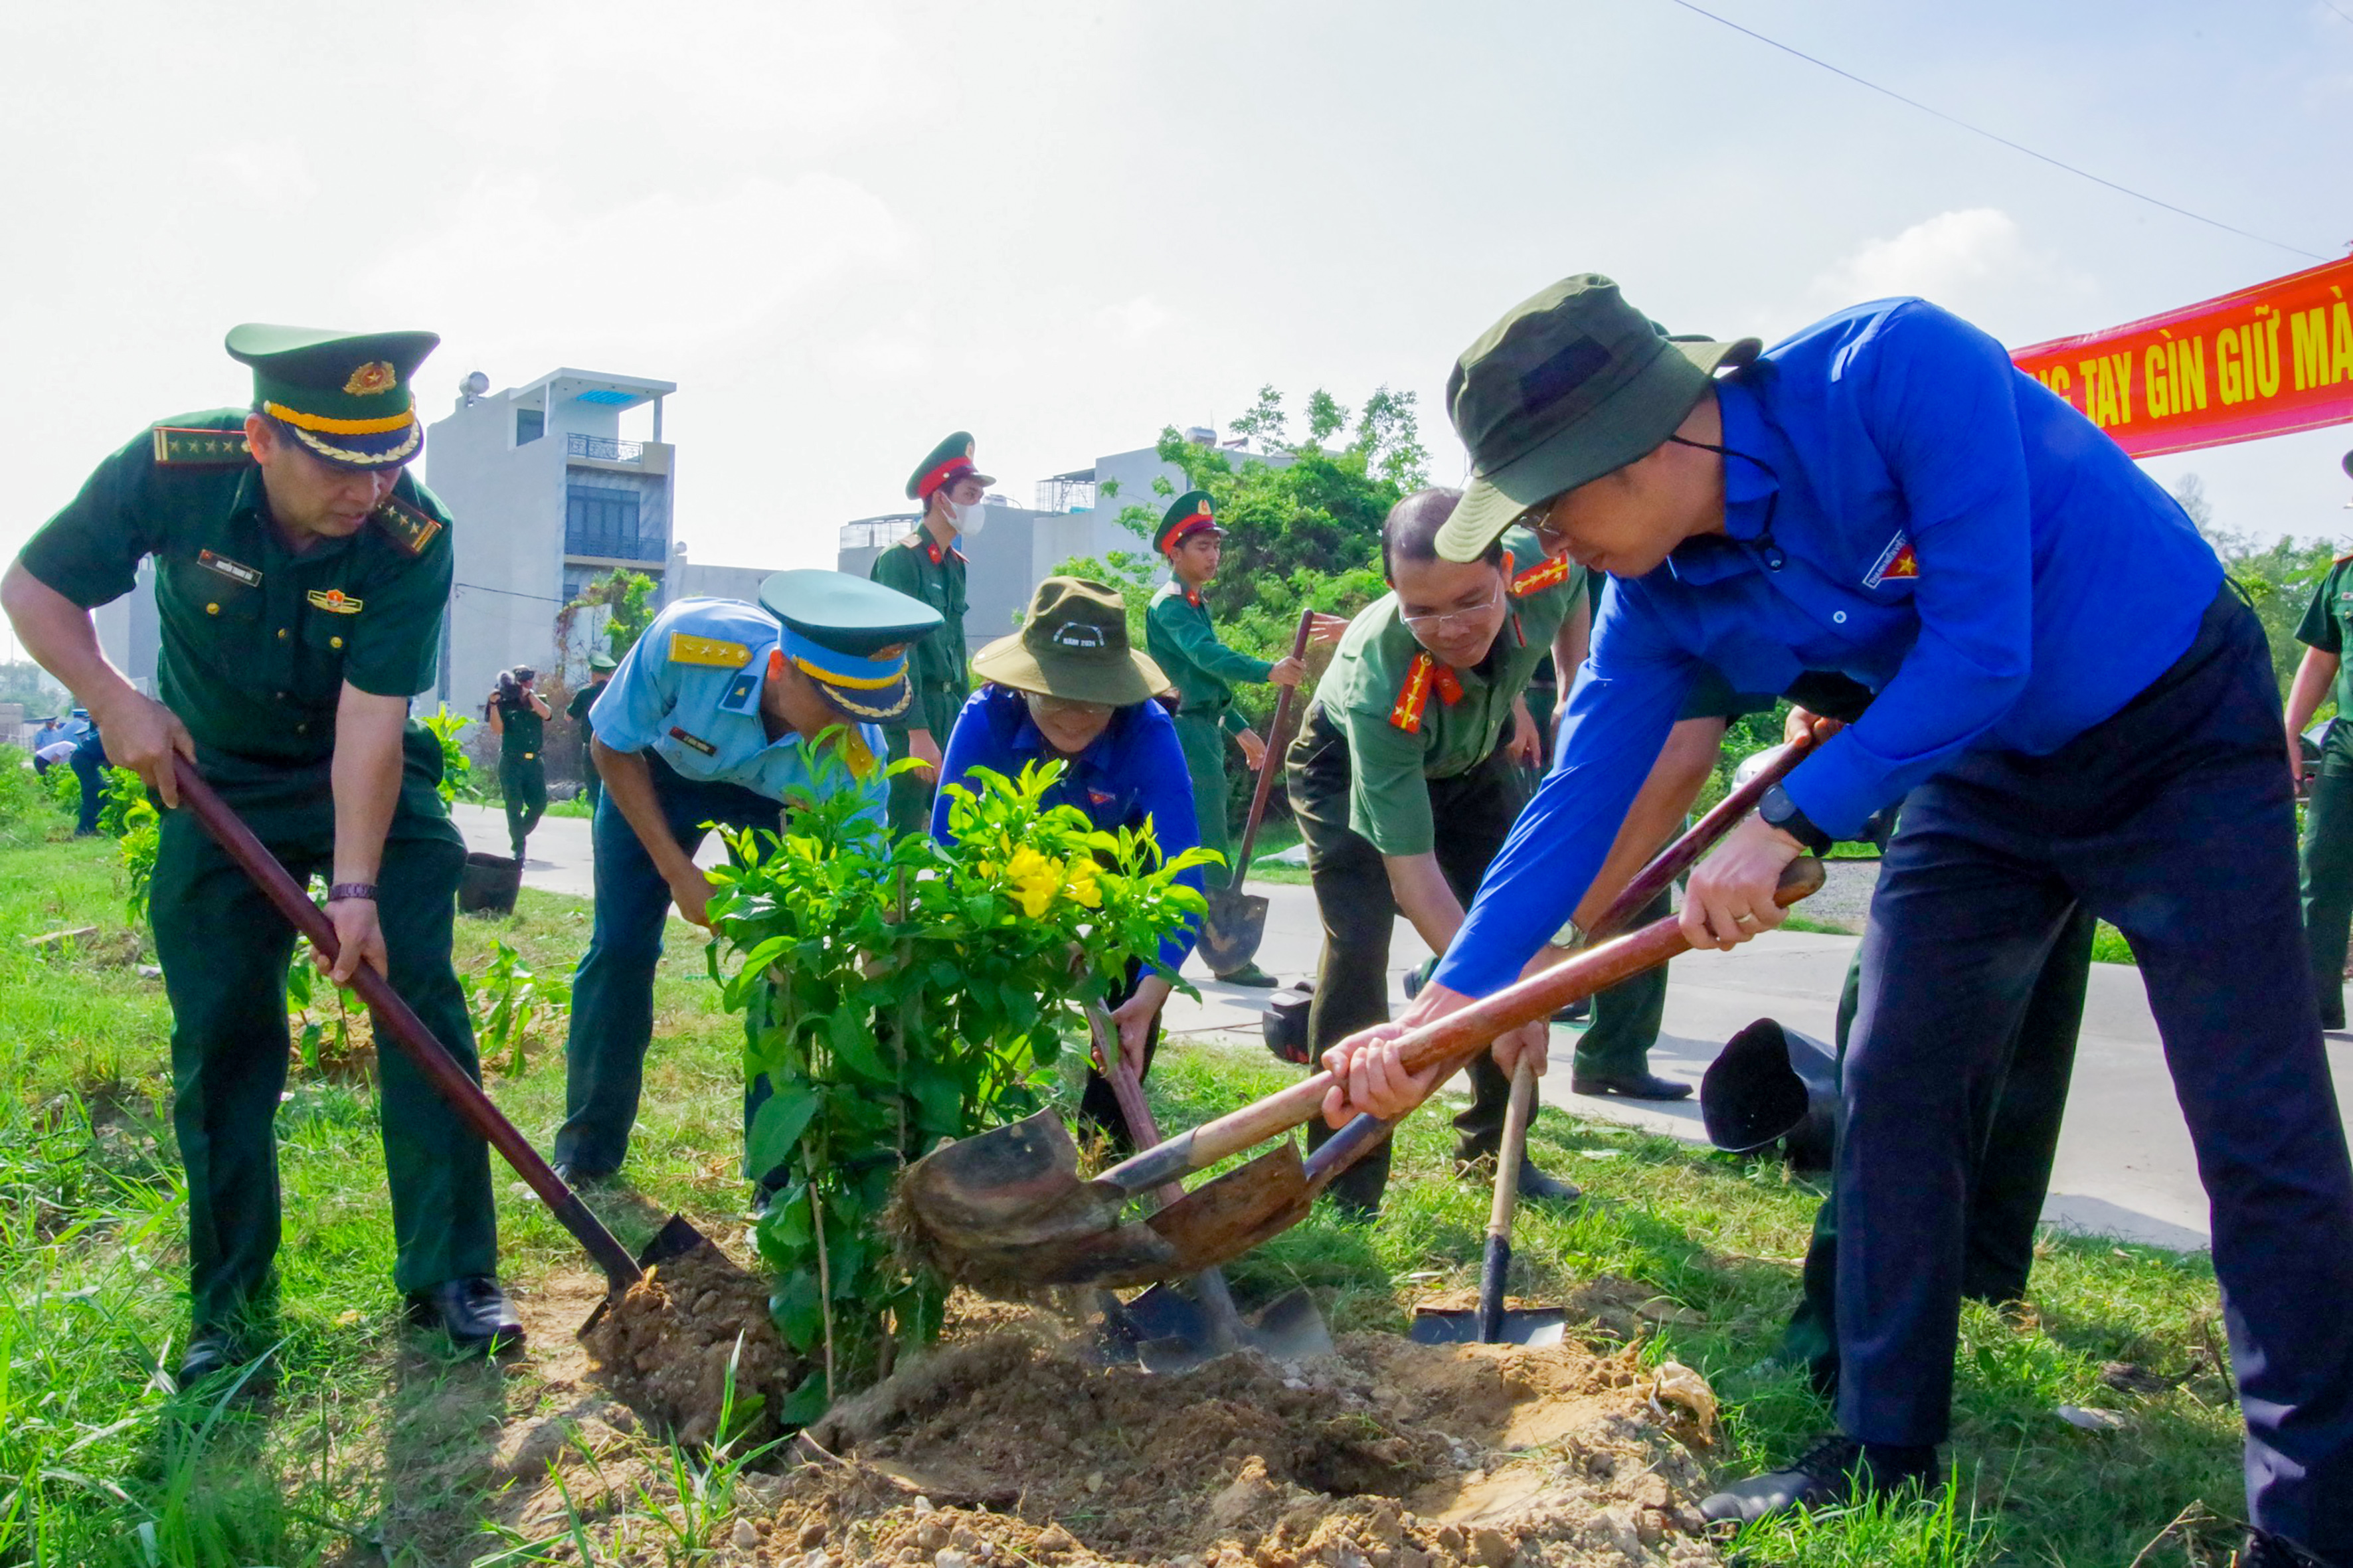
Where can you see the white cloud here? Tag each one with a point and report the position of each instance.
(1939, 259)
(1134, 321)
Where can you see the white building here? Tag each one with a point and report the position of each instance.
(546, 497)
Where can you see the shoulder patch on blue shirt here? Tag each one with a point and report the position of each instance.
(1896, 561)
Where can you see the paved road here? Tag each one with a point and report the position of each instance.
(2124, 1164)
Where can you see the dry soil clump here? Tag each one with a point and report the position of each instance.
(1388, 1455)
(663, 1349)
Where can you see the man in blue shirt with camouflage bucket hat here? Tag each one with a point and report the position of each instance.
(2082, 714)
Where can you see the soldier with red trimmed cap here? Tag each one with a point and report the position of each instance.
(300, 575)
(1204, 672)
(927, 565)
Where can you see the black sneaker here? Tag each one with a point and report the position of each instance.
(1834, 1472)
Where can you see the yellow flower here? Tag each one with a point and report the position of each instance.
(1035, 880)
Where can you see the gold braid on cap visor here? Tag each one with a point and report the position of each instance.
(335, 454)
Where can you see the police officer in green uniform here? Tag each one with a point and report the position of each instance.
(518, 716)
(1405, 779)
(2327, 870)
(928, 566)
(300, 579)
(1203, 672)
(600, 671)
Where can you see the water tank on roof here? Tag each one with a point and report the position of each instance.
(1201, 435)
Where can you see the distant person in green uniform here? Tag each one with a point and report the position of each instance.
(927, 565)
(1405, 780)
(2328, 808)
(518, 717)
(1205, 671)
(600, 672)
(300, 576)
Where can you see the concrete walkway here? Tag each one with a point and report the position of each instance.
(2125, 1165)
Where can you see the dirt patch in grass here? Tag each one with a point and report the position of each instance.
(1388, 1455)
(664, 1349)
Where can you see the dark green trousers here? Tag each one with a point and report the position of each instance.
(1626, 1017)
(225, 953)
(910, 810)
(1473, 814)
(1202, 738)
(523, 781)
(2018, 1137)
(2328, 889)
(592, 787)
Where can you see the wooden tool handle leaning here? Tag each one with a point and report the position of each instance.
(1278, 735)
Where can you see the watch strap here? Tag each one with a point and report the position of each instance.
(1778, 810)
(342, 891)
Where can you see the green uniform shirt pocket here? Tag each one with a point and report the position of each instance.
(325, 635)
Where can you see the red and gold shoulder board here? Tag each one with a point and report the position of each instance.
(409, 527)
(1424, 675)
(1549, 573)
(179, 449)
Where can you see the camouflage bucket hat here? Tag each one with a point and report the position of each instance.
(1569, 385)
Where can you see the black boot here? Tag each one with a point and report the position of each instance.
(473, 1313)
(1832, 1473)
(2264, 1550)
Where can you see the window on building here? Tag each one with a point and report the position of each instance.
(605, 522)
(531, 424)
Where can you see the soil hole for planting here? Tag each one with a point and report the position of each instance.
(663, 1349)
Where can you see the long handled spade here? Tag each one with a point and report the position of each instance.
(1236, 921)
(1005, 1211)
(1493, 1324)
(1173, 1333)
(394, 1020)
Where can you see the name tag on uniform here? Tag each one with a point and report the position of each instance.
(696, 741)
(235, 570)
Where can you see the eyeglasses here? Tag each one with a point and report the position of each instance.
(1453, 620)
(1065, 708)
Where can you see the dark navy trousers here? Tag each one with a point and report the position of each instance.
(2172, 820)
(613, 990)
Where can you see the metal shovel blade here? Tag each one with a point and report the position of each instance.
(1232, 928)
(1459, 1326)
(675, 1239)
(1176, 1334)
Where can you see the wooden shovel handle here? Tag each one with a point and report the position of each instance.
(1442, 1041)
(1277, 737)
(396, 1021)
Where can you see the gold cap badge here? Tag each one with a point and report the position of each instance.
(376, 375)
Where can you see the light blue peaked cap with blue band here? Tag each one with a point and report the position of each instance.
(849, 635)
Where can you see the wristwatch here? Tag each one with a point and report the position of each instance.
(343, 890)
(1778, 810)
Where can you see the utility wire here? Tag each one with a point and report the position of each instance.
(2006, 142)
(2333, 5)
(509, 592)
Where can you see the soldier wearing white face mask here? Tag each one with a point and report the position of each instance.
(927, 565)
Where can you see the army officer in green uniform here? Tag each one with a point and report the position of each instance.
(1405, 779)
(927, 565)
(600, 675)
(1204, 672)
(300, 575)
(2328, 810)
(518, 716)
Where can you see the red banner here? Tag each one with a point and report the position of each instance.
(2265, 361)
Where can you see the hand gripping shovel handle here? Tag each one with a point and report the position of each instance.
(1278, 735)
(1443, 1042)
(395, 1017)
(1343, 1148)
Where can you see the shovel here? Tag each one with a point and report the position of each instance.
(1006, 1212)
(1171, 1333)
(394, 1020)
(1236, 920)
(1493, 1324)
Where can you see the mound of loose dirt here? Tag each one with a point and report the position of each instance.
(663, 1349)
(1015, 1448)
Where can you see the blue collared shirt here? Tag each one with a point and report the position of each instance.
(684, 693)
(1909, 509)
(1132, 773)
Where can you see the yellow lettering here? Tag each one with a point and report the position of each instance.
(2121, 369)
(2226, 364)
(2057, 379)
(2093, 372)
(2188, 375)
(2264, 354)
(2340, 343)
(2156, 381)
(2309, 330)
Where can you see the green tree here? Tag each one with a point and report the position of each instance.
(2278, 577)
(622, 591)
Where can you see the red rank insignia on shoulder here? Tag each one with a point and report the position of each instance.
(1547, 573)
(1420, 677)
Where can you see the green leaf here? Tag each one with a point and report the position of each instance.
(777, 1125)
(805, 1403)
(800, 1316)
(850, 1033)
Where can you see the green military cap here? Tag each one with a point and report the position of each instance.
(601, 660)
(1569, 385)
(1187, 515)
(1073, 644)
(949, 461)
(345, 395)
(849, 635)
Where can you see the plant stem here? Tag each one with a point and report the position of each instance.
(824, 1271)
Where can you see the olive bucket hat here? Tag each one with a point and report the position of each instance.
(1568, 386)
(1073, 644)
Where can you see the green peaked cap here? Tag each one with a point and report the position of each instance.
(946, 463)
(345, 395)
(1571, 385)
(1186, 515)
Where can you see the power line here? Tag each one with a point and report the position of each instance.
(2338, 9)
(509, 592)
(2006, 142)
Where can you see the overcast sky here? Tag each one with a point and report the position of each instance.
(847, 230)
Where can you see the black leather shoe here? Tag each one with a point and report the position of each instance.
(473, 1313)
(1628, 1084)
(1250, 974)
(1540, 1186)
(2264, 1550)
(577, 1176)
(1834, 1472)
(210, 1353)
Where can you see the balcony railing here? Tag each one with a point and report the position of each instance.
(614, 546)
(604, 449)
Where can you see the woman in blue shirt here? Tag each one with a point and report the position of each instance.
(1068, 688)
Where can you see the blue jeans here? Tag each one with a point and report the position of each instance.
(613, 990)
(88, 763)
(2172, 820)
